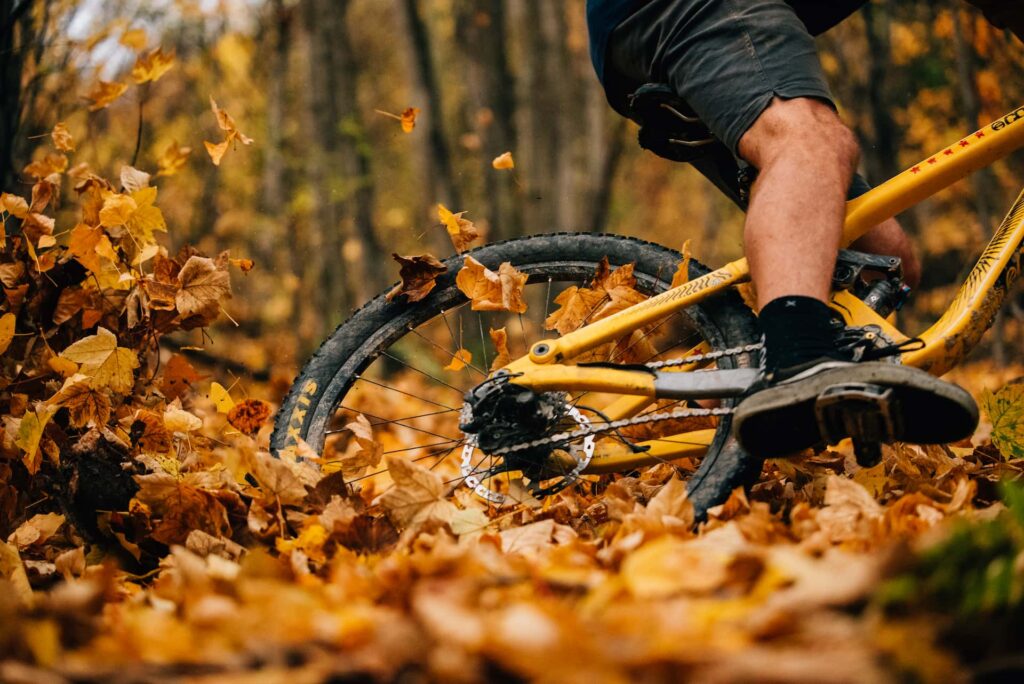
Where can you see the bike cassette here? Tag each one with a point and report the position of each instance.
(498, 414)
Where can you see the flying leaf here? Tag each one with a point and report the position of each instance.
(46, 166)
(134, 38)
(216, 151)
(682, 274)
(152, 66)
(178, 377)
(204, 283)
(62, 139)
(500, 339)
(85, 403)
(104, 93)
(408, 119)
(173, 159)
(460, 360)
(490, 291)
(419, 275)
(7, 322)
(461, 231)
(504, 161)
(248, 416)
(132, 179)
(106, 364)
(221, 398)
(228, 125)
(1005, 410)
(13, 205)
(418, 495)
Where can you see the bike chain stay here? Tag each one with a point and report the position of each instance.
(588, 432)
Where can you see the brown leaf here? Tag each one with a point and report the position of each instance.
(490, 291)
(365, 451)
(62, 139)
(204, 283)
(70, 302)
(419, 275)
(278, 479)
(178, 377)
(249, 416)
(150, 434)
(36, 530)
(417, 496)
(85, 403)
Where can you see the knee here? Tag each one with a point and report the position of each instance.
(800, 127)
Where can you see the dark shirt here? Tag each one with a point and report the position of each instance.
(604, 15)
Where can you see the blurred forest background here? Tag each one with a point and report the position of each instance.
(332, 185)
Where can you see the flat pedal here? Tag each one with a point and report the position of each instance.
(865, 412)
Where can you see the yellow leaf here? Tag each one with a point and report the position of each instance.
(221, 398)
(504, 161)
(30, 432)
(460, 230)
(227, 124)
(134, 38)
(62, 367)
(409, 119)
(490, 291)
(172, 159)
(103, 93)
(117, 209)
(36, 530)
(106, 364)
(1005, 410)
(14, 205)
(460, 360)
(216, 151)
(7, 322)
(62, 139)
(152, 66)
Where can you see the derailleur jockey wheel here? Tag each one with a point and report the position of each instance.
(498, 414)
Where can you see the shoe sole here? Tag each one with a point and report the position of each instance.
(782, 420)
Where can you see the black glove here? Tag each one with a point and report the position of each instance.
(1004, 14)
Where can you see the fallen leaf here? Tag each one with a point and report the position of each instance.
(7, 322)
(204, 283)
(490, 291)
(36, 530)
(178, 377)
(173, 158)
(417, 496)
(418, 276)
(249, 416)
(86, 404)
(30, 432)
(460, 360)
(221, 398)
(461, 231)
(62, 139)
(106, 364)
(531, 539)
(504, 161)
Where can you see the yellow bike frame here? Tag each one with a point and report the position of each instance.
(946, 343)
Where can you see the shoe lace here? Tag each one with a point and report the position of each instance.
(865, 343)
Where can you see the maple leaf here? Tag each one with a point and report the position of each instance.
(419, 275)
(182, 506)
(418, 495)
(461, 231)
(490, 291)
(152, 66)
(204, 282)
(248, 416)
(134, 38)
(62, 139)
(172, 159)
(460, 360)
(408, 119)
(87, 244)
(1005, 410)
(149, 433)
(504, 161)
(575, 306)
(278, 479)
(365, 451)
(85, 403)
(500, 339)
(146, 217)
(7, 322)
(104, 93)
(106, 364)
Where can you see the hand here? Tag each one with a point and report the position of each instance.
(1004, 14)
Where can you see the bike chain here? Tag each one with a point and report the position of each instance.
(563, 437)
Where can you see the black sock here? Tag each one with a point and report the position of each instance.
(797, 330)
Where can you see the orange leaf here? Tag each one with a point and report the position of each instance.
(419, 275)
(460, 230)
(62, 139)
(682, 274)
(490, 291)
(500, 339)
(152, 66)
(504, 161)
(216, 150)
(103, 93)
(409, 119)
(460, 360)
(178, 377)
(134, 38)
(249, 415)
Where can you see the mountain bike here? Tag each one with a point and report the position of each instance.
(654, 382)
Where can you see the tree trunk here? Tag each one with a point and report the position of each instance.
(16, 35)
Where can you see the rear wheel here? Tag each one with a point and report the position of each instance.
(398, 364)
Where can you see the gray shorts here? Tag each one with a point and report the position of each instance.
(726, 58)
